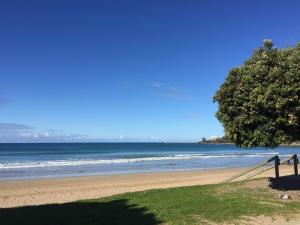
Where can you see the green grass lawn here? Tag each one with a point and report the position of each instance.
(174, 206)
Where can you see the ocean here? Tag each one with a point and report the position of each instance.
(30, 161)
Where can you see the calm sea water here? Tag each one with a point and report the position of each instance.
(60, 160)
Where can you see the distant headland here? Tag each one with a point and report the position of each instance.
(225, 140)
(215, 140)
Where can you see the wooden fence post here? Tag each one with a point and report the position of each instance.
(277, 162)
(295, 164)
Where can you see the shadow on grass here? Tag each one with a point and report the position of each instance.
(285, 183)
(116, 212)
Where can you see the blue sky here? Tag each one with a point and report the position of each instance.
(126, 70)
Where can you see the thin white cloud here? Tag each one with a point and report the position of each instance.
(12, 132)
(126, 84)
(169, 91)
(15, 133)
(156, 84)
(159, 88)
(176, 94)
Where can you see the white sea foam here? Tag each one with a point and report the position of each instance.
(61, 163)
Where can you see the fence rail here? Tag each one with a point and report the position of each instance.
(276, 165)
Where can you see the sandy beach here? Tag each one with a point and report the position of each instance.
(44, 191)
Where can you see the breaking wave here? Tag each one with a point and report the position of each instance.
(83, 162)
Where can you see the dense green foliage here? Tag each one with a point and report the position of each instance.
(218, 140)
(259, 102)
(174, 206)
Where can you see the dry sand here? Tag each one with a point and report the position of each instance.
(44, 191)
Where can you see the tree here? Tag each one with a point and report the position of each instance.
(259, 102)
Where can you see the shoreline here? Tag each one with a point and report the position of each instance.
(113, 174)
(60, 190)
